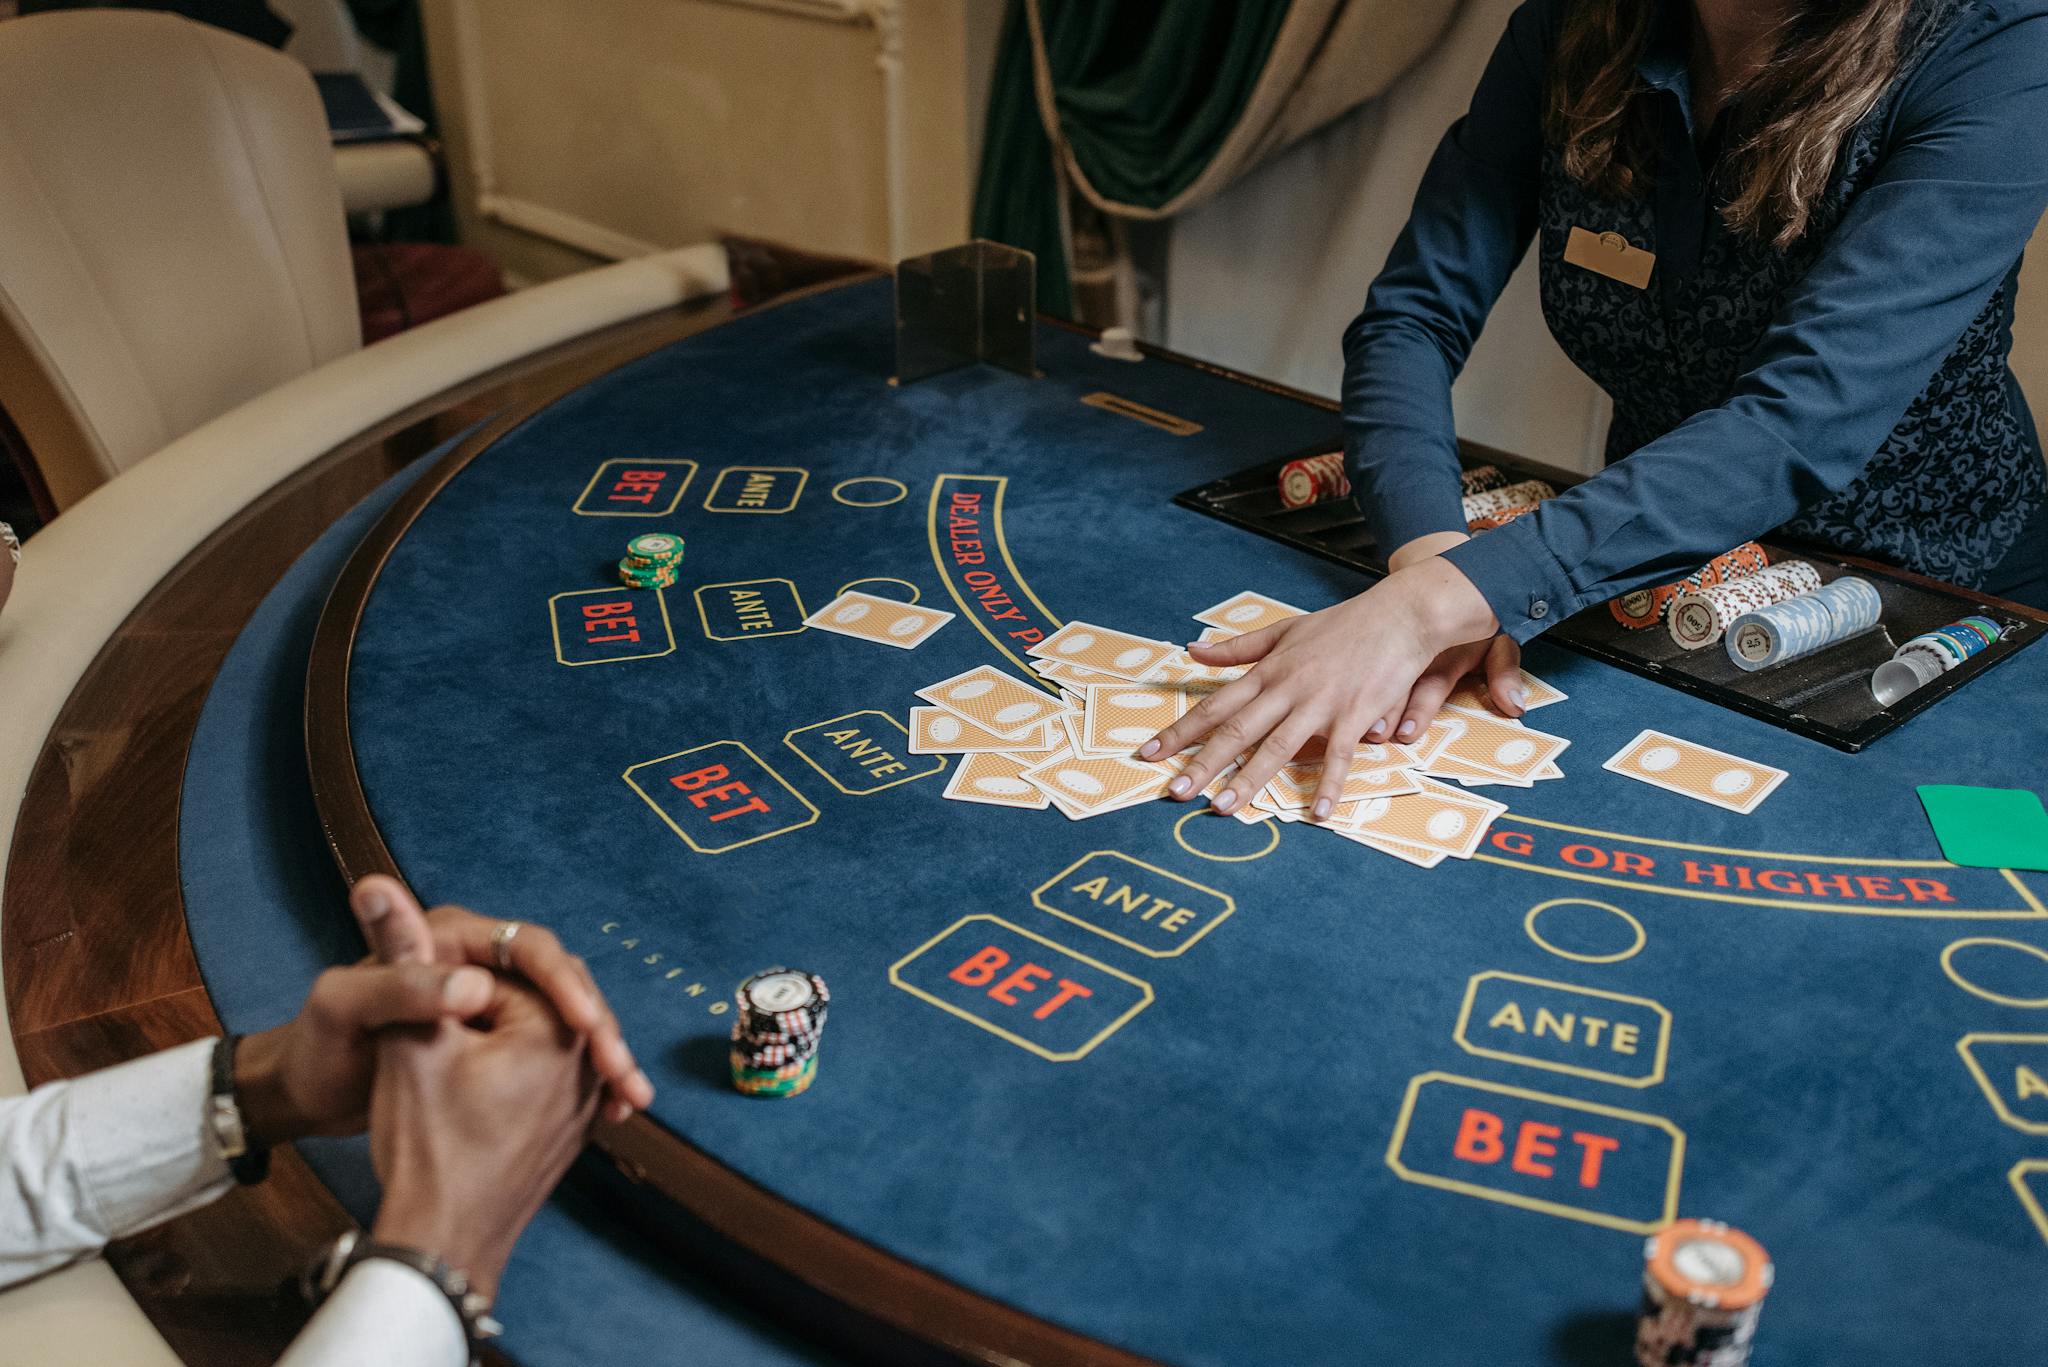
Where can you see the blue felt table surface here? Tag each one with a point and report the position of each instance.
(1211, 1184)
(267, 912)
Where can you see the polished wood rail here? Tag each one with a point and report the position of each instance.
(98, 966)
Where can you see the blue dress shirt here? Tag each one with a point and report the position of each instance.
(1867, 402)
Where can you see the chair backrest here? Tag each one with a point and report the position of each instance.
(171, 234)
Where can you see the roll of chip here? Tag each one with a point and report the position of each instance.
(1478, 479)
(1926, 657)
(1494, 502)
(1313, 479)
(1798, 627)
(1640, 609)
(1703, 1289)
(776, 1032)
(1700, 618)
(1501, 519)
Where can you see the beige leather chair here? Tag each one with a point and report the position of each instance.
(171, 235)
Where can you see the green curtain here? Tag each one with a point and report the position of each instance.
(1145, 90)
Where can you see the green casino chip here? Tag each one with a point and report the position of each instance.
(656, 546)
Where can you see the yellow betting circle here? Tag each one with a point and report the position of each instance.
(1529, 925)
(1272, 828)
(838, 495)
(1948, 966)
(915, 592)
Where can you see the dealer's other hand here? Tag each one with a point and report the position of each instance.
(1375, 667)
(398, 931)
(472, 1123)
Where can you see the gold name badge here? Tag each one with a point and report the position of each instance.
(1610, 254)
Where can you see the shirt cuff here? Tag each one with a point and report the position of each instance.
(1528, 590)
(383, 1312)
(144, 1151)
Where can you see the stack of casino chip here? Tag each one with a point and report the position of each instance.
(1491, 507)
(1318, 479)
(1639, 609)
(1313, 479)
(1701, 617)
(652, 561)
(1929, 655)
(1703, 1288)
(776, 1030)
(1781, 632)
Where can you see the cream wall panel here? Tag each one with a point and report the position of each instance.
(1265, 276)
(580, 130)
(666, 121)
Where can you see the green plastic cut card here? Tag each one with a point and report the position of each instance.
(1988, 828)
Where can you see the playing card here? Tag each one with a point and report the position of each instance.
(1376, 771)
(1471, 775)
(1103, 649)
(869, 618)
(1074, 676)
(1681, 766)
(997, 780)
(1122, 717)
(1437, 818)
(1419, 855)
(985, 695)
(935, 731)
(1089, 785)
(1247, 611)
(1505, 747)
(1447, 727)
(1472, 694)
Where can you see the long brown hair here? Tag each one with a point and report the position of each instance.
(1832, 62)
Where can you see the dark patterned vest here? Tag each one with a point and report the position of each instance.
(1949, 490)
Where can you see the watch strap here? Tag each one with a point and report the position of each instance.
(472, 1309)
(248, 1162)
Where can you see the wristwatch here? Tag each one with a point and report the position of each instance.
(250, 1163)
(325, 1272)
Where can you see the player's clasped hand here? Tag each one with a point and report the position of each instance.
(1375, 668)
(399, 932)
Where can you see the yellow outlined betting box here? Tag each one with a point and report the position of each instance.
(1967, 1047)
(1106, 1014)
(1647, 1222)
(849, 756)
(768, 486)
(1154, 906)
(744, 619)
(2021, 1171)
(747, 779)
(1653, 1058)
(599, 497)
(668, 632)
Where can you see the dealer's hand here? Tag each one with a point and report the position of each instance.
(1500, 660)
(398, 931)
(1388, 653)
(472, 1123)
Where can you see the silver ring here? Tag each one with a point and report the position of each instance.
(501, 944)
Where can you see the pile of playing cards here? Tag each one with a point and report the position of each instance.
(1020, 746)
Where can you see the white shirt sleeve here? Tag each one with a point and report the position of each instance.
(103, 1156)
(386, 1313)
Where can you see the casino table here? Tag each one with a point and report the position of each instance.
(1159, 1086)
